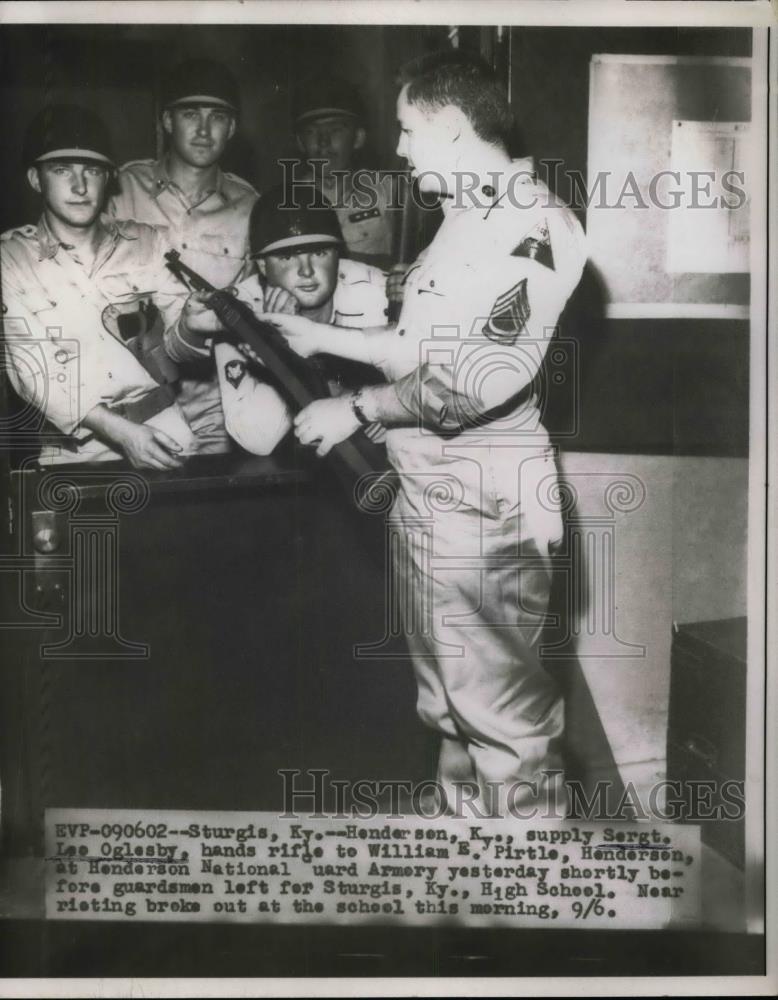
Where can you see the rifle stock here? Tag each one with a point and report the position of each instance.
(401, 238)
(296, 380)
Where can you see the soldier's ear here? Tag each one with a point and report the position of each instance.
(299, 141)
(359, 138)
(454, 122)
(167, 122)
(262, 267)
(33, 179)
(233, 126)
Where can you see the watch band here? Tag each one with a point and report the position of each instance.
(356, 406)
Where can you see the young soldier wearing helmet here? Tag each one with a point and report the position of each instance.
(90, 314)
(296, 241)
(202, 211)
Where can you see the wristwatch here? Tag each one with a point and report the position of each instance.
(356, 407)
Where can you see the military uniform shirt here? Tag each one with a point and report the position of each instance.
(366, 217)
(212, 238)
(256, 416)
(488, 291)
(61, 329)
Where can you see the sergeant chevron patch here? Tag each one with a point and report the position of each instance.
(536, 245)
(509, 315)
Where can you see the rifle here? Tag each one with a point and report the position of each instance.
(298, 381)
(401, 238)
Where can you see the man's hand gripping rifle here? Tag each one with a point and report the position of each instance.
(297, 381)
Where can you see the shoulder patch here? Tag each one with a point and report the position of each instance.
(536, 245)
(509, 315)
(234, 371)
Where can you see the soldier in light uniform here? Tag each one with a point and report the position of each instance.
(89, 310)
(202, 211)
(330, 131)
(480, 306)
(299, 270)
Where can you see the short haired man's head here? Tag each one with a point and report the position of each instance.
(200, 107)
(450, 109)
(69, 159)
(328, 116)
(464, 80)
(295, 237)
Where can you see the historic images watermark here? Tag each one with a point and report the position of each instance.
(666, 189)
(316, 794)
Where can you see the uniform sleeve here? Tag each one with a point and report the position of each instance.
(115, 207)
(170, 296)
(46, 371)
(180, 346)
(499, 346)
(360, 295)
(121, 205)
(254, 414)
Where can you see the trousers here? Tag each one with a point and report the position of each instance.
(474, 587)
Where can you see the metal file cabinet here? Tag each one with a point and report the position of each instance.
(707, 726)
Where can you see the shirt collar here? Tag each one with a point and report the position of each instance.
(112, 228)
(47, 241)
(161, 181)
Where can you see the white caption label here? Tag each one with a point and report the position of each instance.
(256, 867)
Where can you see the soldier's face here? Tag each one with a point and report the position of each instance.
(72, 192)
(426, 142)
(333, 139)
(309, 274)
(199, 135)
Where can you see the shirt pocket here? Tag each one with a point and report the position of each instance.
(48, 322)
(42, 306)
(221, 244)
(124, 286)
(218, 257)
(431, 285)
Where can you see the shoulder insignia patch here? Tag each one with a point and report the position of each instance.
(364, 215)
(509, 315)
(234, 371)
(536, 245)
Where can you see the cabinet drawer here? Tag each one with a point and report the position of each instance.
(726, 834)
